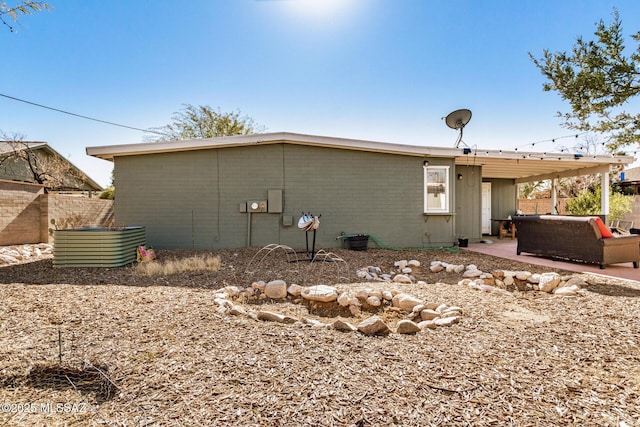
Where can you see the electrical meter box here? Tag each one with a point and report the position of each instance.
(257, 206)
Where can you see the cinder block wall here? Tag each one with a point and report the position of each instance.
(73, 212)
(19, 212)
(26, 212)
(541, 206)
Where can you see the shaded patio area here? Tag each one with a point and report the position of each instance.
(506, 248)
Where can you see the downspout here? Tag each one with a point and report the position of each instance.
(248, 227)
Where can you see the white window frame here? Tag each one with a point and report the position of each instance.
(445, 182)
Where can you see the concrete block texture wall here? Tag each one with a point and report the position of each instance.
(193, 199)
(26, 213)
(19, 213)
(73, 212)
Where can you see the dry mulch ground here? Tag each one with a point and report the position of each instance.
(83, 346)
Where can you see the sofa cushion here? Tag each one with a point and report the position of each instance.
(604, 230)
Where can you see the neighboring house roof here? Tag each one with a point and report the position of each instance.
(521, 166)
(84, 182)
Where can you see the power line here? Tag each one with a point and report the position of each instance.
(81, 116)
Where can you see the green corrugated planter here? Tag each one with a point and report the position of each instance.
(97, 247)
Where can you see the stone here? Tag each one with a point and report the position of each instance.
(402, 278)
(401, 264)
(321, 293)
(294, 290)
(566, 291)
(374, 325)
(237, 310)
(549, 281)
(441, 308)
(387, 295)
(258, 286)
(361, 274)
(458, 269)
(407, 327)
(355, 310)
(343, 299)
(405, 302)
(374, 270)
(414, 263)
(446, 321)
(341, 325)
(362, 294)
(269, 316)
(375, 293)
(454, 310)
(312, 322)
(498, 274)
(427, 324)
(421, 283)
(429, 314)
(436, 268)
(522, 275)
(574, 281)
(534, 278)
(222, 302)
(469, 272)
(276, 289)
(407, 270)
(233, 291)
(8, 259)
(418, 308)
(374, 301)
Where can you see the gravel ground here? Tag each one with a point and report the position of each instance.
(117, 348)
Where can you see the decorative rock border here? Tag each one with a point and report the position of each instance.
(20, 253)
(477, 279)
(419, 314)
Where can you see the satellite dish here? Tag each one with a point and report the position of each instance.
(458, 120)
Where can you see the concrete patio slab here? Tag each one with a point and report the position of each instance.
(506, 248)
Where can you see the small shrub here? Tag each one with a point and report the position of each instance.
(108, 193)
(195, 263)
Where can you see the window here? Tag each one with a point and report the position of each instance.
(436, 189)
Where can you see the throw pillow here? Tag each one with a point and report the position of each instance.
(604, 230)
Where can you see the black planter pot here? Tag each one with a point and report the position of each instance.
(358, 243)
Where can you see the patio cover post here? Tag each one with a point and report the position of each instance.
(554, 196)
(604, 201)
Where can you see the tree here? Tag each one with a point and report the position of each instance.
(597, 79)
(21, 161)
(23, 8)
(205, 122)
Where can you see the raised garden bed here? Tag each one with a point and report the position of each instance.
(97, 247)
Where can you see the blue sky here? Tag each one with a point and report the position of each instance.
(383, 70)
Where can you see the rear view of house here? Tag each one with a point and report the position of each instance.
(251, 190)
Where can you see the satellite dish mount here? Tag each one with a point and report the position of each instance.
(458, 120)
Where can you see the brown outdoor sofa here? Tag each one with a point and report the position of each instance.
(574, 238)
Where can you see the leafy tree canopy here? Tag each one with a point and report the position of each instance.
(587, 202)
(598, 80)
(22, 8)
(205, 122)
